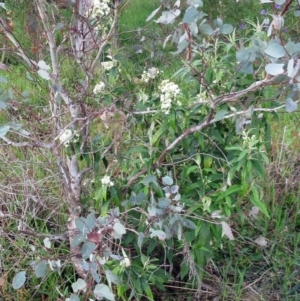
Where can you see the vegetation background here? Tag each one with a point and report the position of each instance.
(193, 222)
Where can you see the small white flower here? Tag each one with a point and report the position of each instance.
(108, 65)
(107, 181)
(99, 88)
(65, 137)
(150, 74)
(169, 92)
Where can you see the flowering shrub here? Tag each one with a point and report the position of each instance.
(99, 88)
(107, 181)
(149, 74)
(168, 94)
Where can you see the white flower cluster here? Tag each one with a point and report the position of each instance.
(107, 181)
(100, 8)
(99, 88)
(150, 74)
(168, 93)
(67, 136)
(108, 65)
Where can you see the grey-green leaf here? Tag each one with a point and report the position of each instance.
(190, 15)
(274, 69)
(79, 285)
(226, 29)
(206, 29)
(275, 50)
(41, 269)
(167, 181)
(220, 115)
(290, 105)
(19, 280)
(74, 297)
(103, 291)
(140, 239)
(87, 249)
(3, 80)
(4, 129)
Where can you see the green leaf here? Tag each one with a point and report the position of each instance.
(255, 200)
(147, 289)
(220, 115)
(189, 224)
(111, 277)
(103, 291)
(19, 280)
(149, 179)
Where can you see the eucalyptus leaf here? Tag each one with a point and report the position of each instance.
(190, 15)
(41, 269)
(206, 29)
(4, 129)
(103, 291)
(274, 49)
(274, 69)
(167, 181)
(290, 105)
(87, 249)
(79, 285)
(44, 74)
(19, 280)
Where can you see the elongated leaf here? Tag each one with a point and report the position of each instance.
(190, 15)
(19, 280)
(226, 230)
(153, 14)
(140, 239)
